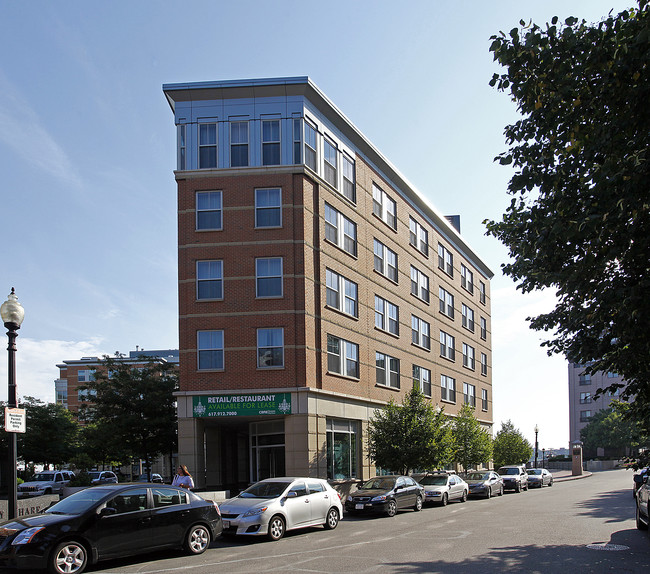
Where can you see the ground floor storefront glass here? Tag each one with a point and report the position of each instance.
(342, 448)
(267, 458)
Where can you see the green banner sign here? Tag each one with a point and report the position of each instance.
(250, 405)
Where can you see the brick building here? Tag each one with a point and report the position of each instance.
(315, 284)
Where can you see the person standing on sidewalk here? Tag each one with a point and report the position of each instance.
(183, 478)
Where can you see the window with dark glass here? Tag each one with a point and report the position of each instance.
(341, 293)
(385, 261)
(418, 236)
(446, 302)
(268, 277)
(310, 146)
(270, 142)
(445, 260)
(209, 279)
(238, 144)
(419, 284)
(420, 332)
(483, 328)
(469, 394)
(387, 370)
(297, 141)
(342, 447)
(386, 316)
(270, 347)
(268, 207)
(484, 365)
(422, 380)
(342, 357)
(447, 346)
(208, 210)
(340, 230)
(210, 350)
(447, 388)
(207, 146)
(484, 399)
(468, 357)
(349, 189)
(330, 171)
(182, 147)
(467, 317)
(466, 278)
(384, 207)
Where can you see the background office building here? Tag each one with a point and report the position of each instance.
(315, 284)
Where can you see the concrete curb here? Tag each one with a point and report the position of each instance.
(585, 474)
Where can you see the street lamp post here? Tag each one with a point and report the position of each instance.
(543, 457)
(12, 314)
(536, 444)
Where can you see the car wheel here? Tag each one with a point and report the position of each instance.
(488, 492)
(445, 500)
(418, 504)
(391, 509)
(464, 497)
(517, 487)
(69, 557)
(639, 523)
(551, 483)
(197, 539)
(276, 528)
(332, 519)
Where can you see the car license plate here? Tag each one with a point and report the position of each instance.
(358, 506)
(226, 523)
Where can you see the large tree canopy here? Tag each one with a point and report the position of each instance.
(510, 446)
(472, 444)
(579, 219)
(610, 429)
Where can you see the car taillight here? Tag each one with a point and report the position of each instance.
(216, 507)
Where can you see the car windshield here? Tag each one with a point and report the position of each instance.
(508, 471)
(44, 476)
(94, 475)
(477, 476)
(265, 490)
(378, 483)
(433, 481)
(534, 471)
(78, 502)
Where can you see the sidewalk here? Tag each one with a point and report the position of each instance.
(564, 475)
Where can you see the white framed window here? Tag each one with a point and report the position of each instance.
(469, 394)
(270, 348)
(484, 365)
(585, 398)
(271, 142)
(182, 147)
(384, 207)
(484, 399)
(210, 350)
(85, 375)
(446, 302)
(311, 146)
(585, 416)
(297, 141)
(340, 230)
(466, 278)
(422, 380)
(209, 279)
(209, 211)
(468, 357)
(268, 207)
(481, 292)
(483, 328)
(386, 316)
(447, 389)
(207, 146)
(268, 277)
(342, 357)
(239, 144)
(468, 317)
(387, 369)
(418, 236)
(84, 395)
(349, 187)
(445, 260)
(385, 261)
(341, 293)
(419, 284)
(420, 332)
(330, 165)
(447, 346)
(584, 379)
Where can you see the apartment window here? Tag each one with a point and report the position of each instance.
(466, 278)
(484, 365)
(484, 399)
(445, 260)
(420, 332)
(585, 416)
(447, 346)
(342, 446)
(270, 142)
(268, 207)
(612, 375)
(210, 349)
(340, 230)
(446, 302)
(384, 207)
(386, 316)
(297, 141)
(447, 389)
(182, 148)
(483, 328)
(270, 347)
(85, 375)
(387, 369)
(585, 398)
(584, 379)
(385, 261)
(268, 277)
(468, 317)
(419, 284)
(349, 189)
(342, 357)
(422, 380)
(310, 146)
(469, 394)
(468, 356)
(209, 279)
(481, 292)
(341, 293)
(207, 146)
(209, 210)
(330, 172)
(238, 144)
(418, 236)
(84, 394)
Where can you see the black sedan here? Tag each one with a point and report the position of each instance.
(385, 495)
(109, 521)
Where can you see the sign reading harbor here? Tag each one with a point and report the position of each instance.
(241, 405)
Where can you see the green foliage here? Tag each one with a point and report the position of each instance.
(611, 429)
(82, 478)
(472, 444)
(411, 436)
(579, 219)
(510, 446)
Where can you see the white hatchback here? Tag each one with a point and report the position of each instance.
(273, 506)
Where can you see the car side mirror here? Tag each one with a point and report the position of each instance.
(292, 494)
(399, 487)
(107, 511)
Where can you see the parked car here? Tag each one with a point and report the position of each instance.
(386, 495)
(514, 477)
(102, 477)
(441, 487)
(484, 483)
(46, 482)
(638, 478)
(539, 477)
(275, 505)
(155, 478)
(109, 521)
(642, 512)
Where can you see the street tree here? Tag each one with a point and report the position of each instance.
(510, 446)
(132, 408)
(472, 444)
(610, 429)
(579, 218)
(409, 436)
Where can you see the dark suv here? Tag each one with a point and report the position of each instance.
(514, 477)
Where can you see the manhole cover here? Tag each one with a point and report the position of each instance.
(608, 547)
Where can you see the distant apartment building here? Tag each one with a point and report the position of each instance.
(315, 285)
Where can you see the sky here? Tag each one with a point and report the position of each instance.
(87, 153)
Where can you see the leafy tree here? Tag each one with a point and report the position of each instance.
(410, 436)
(610, 429)
(579, 219)
(472, 444)
(510, 446)
(133, 408)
